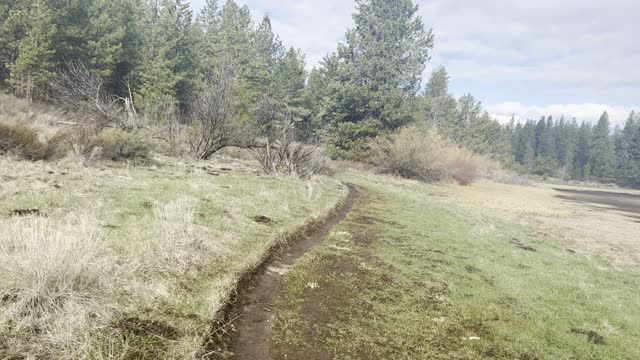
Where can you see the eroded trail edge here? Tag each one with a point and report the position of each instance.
(247, 332)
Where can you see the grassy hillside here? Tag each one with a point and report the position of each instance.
(112, 261)
(446, 272)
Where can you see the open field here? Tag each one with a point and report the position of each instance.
(121, 262)
(446, 272)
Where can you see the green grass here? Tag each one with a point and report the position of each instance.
(415, 272)
(168, 244)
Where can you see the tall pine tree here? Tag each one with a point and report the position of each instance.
(33, 66)
(602, 149)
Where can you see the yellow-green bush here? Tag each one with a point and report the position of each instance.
(424, 155)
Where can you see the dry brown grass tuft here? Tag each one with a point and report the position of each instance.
(50, 274)
(21, 140)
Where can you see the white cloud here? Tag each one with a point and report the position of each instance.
(580, 52)
(582, 112)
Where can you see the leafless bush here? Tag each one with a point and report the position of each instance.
(83, 96)
(282, 152)
(170, 123)
(213, 126)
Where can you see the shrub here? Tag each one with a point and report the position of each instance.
(119, 145)
(81, 94)
(284, 154)
(425, 156)
(21, 140)
(87, 144)
(213, 116)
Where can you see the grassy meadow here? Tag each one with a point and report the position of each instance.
(447, 272)
(119, 262)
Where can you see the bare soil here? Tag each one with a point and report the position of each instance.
(623, 202)
(247, 333)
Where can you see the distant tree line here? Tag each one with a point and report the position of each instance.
(159, 52)
(580, 151)
(562, 148)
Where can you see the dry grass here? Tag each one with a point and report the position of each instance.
(588, 229)
(155, 255)
(44, 118)
(51, 273)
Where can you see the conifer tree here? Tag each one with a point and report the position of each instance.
(439, 105)
(12, 30)
(156, 77)
(106, 35)
(33, 66)
(582, 168)
(209, 22)
(602, 149)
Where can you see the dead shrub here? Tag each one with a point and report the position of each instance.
(424, 155)
(281, 151)
(170, 124)
(22, 141)
(82, 95)
(282, 154)
(213, 122)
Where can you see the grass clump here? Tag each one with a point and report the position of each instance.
(414, 153)
(21, 140)
(50, 275)
(119, 145)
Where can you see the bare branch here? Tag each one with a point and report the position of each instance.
(81, 94)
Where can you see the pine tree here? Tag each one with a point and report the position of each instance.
(33, 66)
(132, 19)
(582, 167)
(633, 136)
(376, 74)
(176, 20)
(12, 30)
(622, 143)
(468, 111)
(155, 75)
(235, 45)
(439, 105)
(106, 36)
(72, 18)
(210, 22)
(289, 83)
(385, 54)
(602, 149)
(268, 52)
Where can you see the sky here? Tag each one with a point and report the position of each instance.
(575, 58)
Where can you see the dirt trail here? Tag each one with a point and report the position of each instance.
(251, 335)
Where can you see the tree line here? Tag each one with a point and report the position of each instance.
(159, 51)
(157, 47)
(581, 151)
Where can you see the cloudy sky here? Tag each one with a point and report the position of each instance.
(560, 57)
